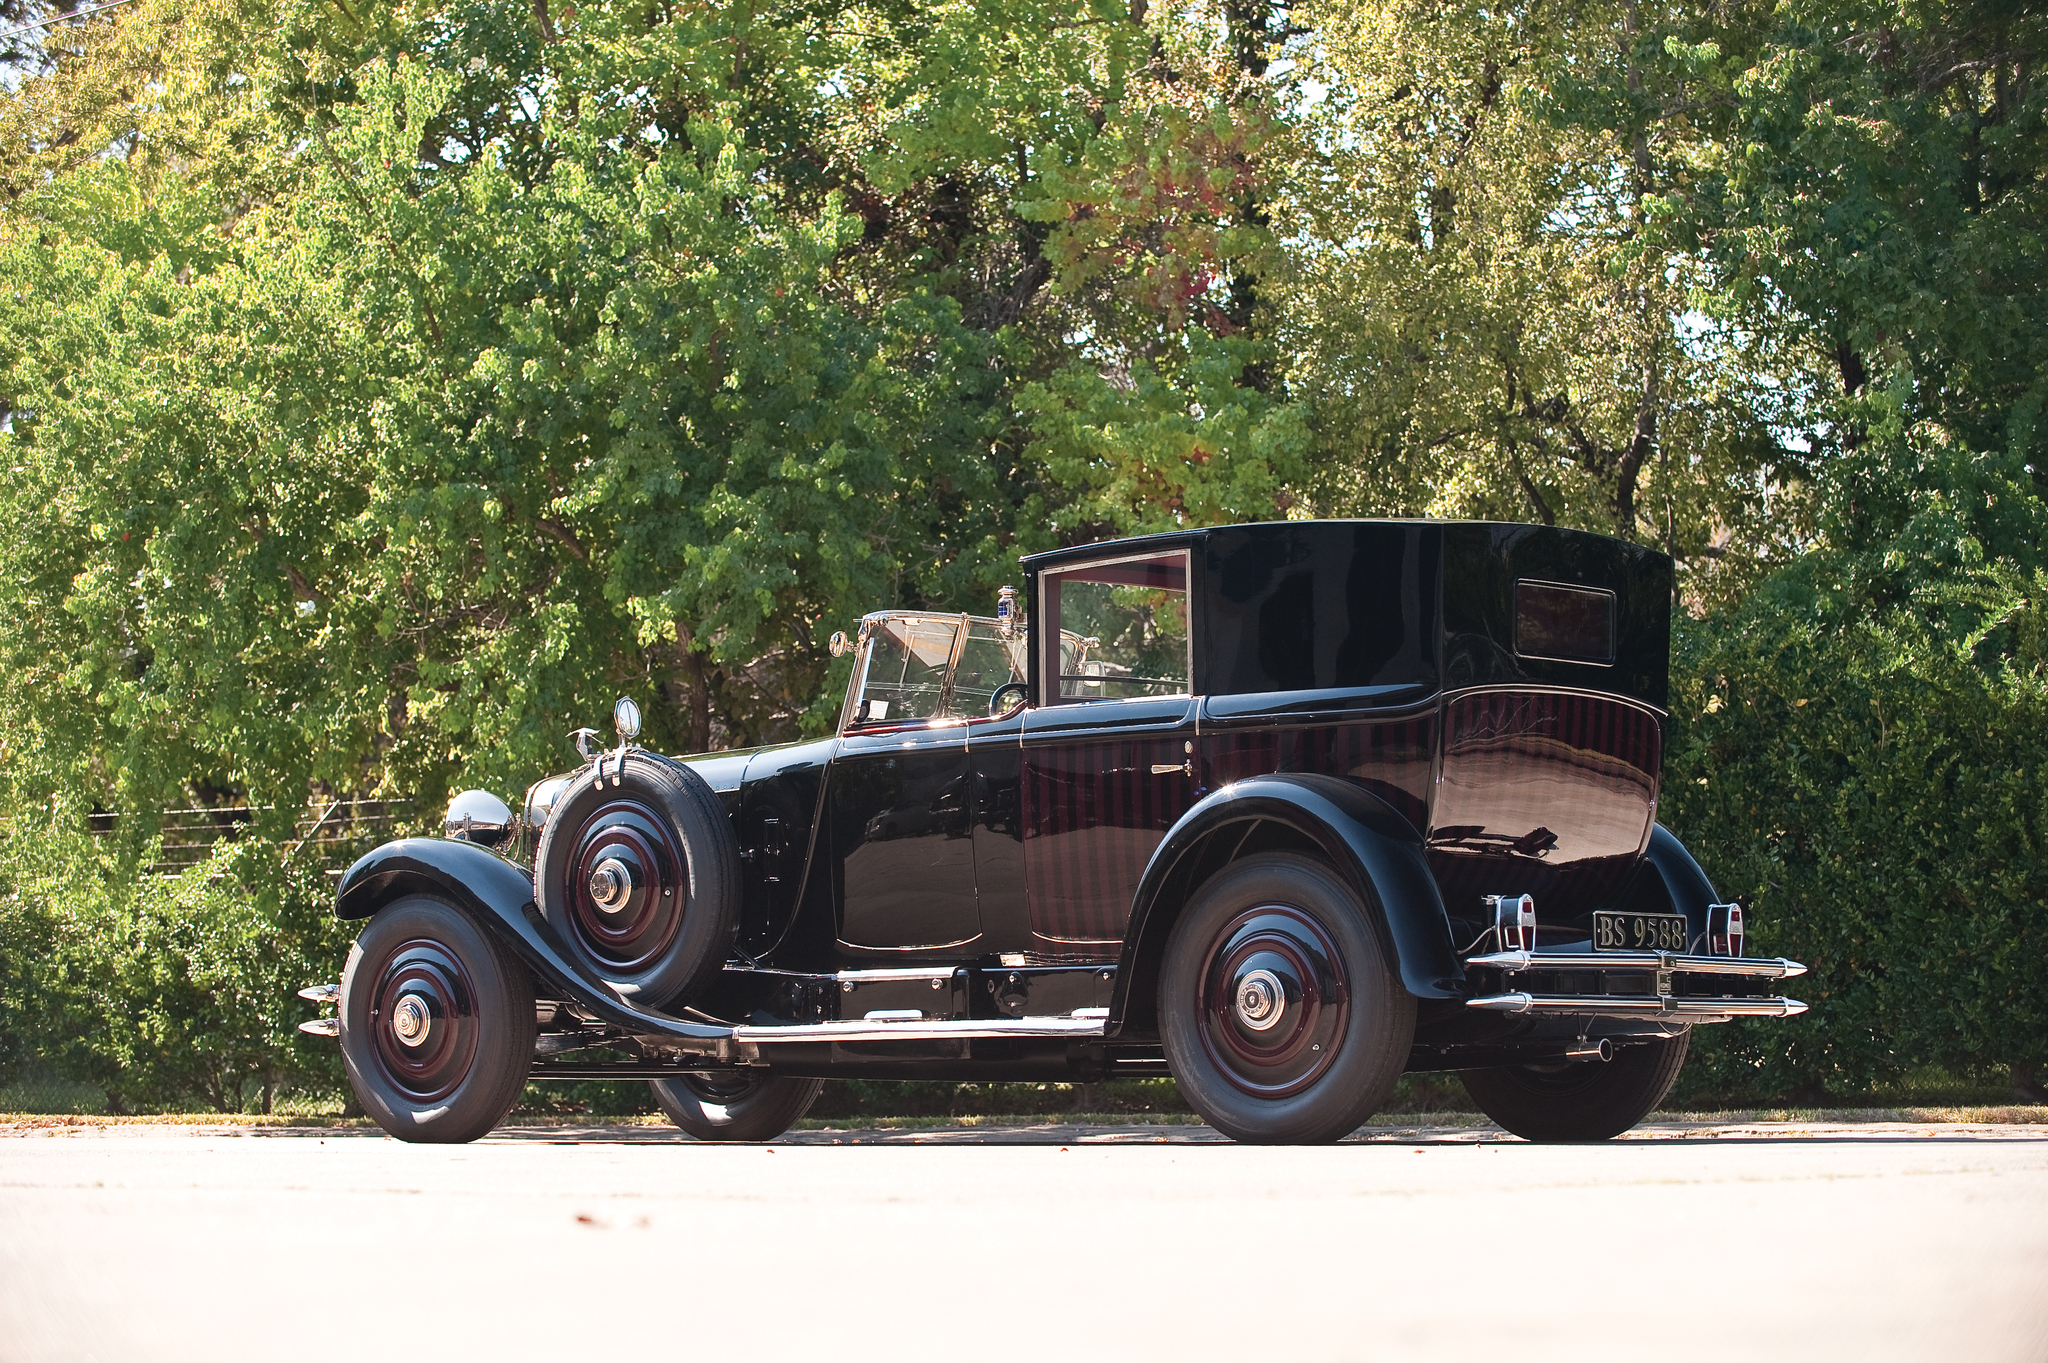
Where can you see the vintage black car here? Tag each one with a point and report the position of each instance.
(1281, 810)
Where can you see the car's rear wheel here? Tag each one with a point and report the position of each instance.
(437, 1023)
(639, 873)
(1282, 1018)
(740, 1107)
(1582, 1100)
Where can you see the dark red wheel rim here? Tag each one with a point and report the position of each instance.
(626, 845)
(722, 1090)
(1274, 1001)
(424, 1019)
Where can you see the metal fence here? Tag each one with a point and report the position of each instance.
(333, 830)
(330, 832)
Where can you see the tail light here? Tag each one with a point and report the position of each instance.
(1514, 920)
(1724, 930)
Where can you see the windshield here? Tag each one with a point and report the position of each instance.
(908, 658)
(914, 667)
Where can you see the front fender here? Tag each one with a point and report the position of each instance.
(499, 896)
(1369, 843)
(462, 872)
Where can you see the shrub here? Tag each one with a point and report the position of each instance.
(1857, 753)
(160, 990)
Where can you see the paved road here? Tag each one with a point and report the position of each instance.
(1799, 1242)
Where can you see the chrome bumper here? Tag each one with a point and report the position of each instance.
(1757, 967)
(328, 995)
(1680, 1008)
(1664, 1004)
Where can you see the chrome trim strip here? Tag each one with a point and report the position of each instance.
(938, 1029)
(1766, 967)
(321, 1027)
(1683, 1009)
(1552, 689)
(937, 972)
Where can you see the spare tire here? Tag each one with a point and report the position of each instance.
(638, 873)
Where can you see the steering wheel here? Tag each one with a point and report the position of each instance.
(996, 704)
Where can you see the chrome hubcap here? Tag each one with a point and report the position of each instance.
(611, 885)
(1261, 999)
(410, 1019)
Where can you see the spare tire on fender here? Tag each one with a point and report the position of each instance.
(638, 873)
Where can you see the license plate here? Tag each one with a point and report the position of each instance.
(1640, 932)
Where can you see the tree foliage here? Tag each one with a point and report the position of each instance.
(385, 388)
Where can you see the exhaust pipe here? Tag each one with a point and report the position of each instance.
(1601, 1050)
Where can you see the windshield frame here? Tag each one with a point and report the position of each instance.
(872, 623)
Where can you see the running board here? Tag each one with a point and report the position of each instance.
(1082, 1024)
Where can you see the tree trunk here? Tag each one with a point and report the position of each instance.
(1642, 443)
(696, 688)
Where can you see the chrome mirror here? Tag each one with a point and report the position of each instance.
(840, 645)
(626, 719)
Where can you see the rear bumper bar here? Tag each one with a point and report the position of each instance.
(1678, 1008)
(1663, 966)
(1756, 967)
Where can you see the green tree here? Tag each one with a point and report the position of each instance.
(1859, 740)
(1482, 311)
(386, 390)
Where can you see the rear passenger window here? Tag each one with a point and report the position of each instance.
(1568, 624)
(1121, 627)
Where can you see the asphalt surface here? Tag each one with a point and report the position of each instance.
(1780, 1242)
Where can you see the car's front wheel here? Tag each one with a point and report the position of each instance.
(739, 1107)
(1581, 1100)
(437, 1023)
(1282, 1018)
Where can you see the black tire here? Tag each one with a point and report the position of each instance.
(1584, 1100)
(674, 925)
(425, 964)
(1319, 1056)
(756, 1107)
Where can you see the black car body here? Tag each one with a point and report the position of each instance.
(1390, 740)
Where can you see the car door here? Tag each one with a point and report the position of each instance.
(897, 797)
(1109, 759)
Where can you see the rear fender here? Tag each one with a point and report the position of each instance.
(1688, 885)
(1372, 846)
(499, 896)
(1685, 883)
